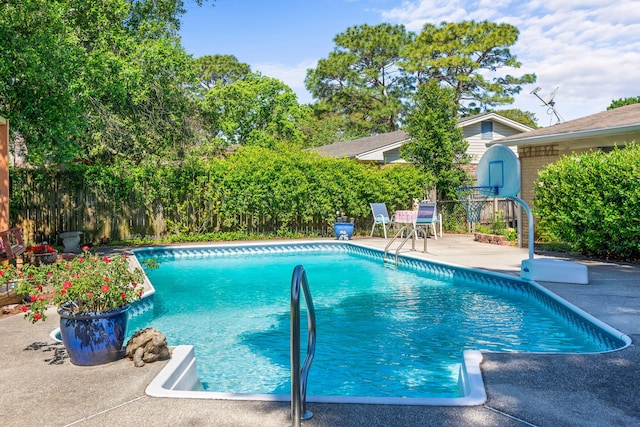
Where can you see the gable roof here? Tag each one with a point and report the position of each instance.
(372, 148)
(361, 146)
(496, 117)
(607, 123)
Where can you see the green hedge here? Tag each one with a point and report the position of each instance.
(592, 202)
(286, 188)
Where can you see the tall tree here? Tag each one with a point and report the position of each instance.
(256, 110)
(437, 144)
(40, 77)
(623, 101)
(214, 70)
(460, 55)
(526, 118)
(361, 79)
(94, 81)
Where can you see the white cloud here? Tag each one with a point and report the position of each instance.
(589, 48)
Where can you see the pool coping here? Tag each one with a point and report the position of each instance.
(179, 378)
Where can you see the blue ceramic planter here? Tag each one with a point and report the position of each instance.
(340, 227)
(94, 338)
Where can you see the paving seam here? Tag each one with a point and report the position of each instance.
(509, 416)
(105, 411)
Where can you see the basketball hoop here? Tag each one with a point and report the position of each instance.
(473, 200)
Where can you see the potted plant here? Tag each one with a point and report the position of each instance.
(343, 227)
(43, 253)
(93, 295)
(9, 276)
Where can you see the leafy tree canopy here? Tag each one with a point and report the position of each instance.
(460, 55)
(361, 80)
(214, 70)
(256, 110)
(94, 81)
(437, 144)
(623, 101)
(526, 118)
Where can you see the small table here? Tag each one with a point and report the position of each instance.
(409, 217)
(405, 217)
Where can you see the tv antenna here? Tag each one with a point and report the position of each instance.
(548, 102)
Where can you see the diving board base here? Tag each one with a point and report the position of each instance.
(554, 270)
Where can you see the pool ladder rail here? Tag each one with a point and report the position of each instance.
(299, 374)
(413, 235)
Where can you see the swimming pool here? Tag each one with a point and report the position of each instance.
(401, 333)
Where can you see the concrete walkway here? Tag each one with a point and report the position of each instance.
(40, 387)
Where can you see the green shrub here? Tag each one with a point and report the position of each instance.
(285, 190)
(592, 202)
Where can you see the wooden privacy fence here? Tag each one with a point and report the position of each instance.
(44, 208)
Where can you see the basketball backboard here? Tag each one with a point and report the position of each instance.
(499, 168)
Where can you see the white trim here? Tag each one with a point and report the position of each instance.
(378, 153)
(496, 117)
(570, 135)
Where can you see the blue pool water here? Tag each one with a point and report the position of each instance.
(380, 331)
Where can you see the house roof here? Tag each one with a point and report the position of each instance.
(361, 146)
(496, 117)
(607, 123)
(371, 147)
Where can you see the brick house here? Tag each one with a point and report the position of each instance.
(540, 147)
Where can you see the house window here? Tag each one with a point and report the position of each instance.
(487, 130)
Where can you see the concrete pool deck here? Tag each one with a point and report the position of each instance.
(40, 387)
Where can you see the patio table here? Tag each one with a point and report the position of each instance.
(405, 217)
(409, 217)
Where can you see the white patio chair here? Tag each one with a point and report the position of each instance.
(428, 217)
(380, 217)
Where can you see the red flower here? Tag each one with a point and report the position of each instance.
(41, 249)
(134, 284)
(39, 287)
(90, 293)
(104, 289)
(33, 298)
(24, 309)
(106, 259)
(63, 291)
(37, 316)
(123, 295)
(66, 285)
(85, 248)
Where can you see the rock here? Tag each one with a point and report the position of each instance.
(147, 345)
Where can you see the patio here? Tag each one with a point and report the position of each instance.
(42, 388)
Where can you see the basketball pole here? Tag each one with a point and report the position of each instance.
(524, 205)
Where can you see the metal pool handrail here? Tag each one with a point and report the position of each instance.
(413, 235)
(299, 375)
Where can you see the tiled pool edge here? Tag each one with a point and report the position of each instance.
(179, 379)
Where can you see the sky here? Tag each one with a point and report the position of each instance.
(588, 49)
